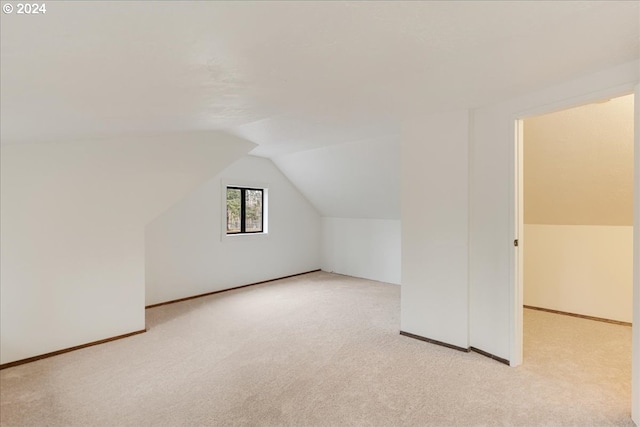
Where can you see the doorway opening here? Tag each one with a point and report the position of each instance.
(574, 228)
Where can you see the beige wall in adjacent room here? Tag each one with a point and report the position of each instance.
(584, 269)
(578, 165)
(578, 209)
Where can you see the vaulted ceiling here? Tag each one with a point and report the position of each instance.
(289, 76)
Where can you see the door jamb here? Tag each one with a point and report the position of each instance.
(516, 288)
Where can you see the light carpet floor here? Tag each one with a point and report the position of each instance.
(321, 350)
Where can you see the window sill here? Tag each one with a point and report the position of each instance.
(245, 236)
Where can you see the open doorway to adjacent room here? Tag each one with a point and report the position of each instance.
(575, 242)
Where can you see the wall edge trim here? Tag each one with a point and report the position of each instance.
(432, 341)
(490, 356)
(67, 350)
(455, 347)
(580, 316)
(228, 289)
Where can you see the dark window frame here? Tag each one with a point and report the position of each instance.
(243, 210)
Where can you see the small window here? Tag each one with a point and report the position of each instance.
(245, 210)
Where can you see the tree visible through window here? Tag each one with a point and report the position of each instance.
(244, 210)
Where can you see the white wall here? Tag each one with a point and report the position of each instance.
(583, 269)
(186, 256)
(368, 248)
(72, 244)
(492, 227)
(356, 188)
(435, 213)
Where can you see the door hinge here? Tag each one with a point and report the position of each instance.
(515, 242)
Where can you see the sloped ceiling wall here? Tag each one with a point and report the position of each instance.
(578, 165)
(353, 180)
(73, 216)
